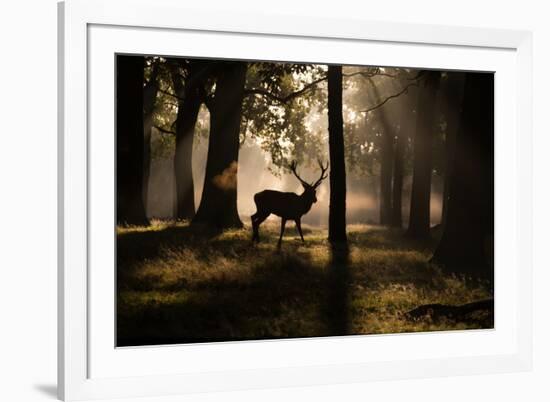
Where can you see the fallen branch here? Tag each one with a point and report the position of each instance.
(458, 313)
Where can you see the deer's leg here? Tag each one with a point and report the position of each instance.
(257, 220)
(299, 226)
(255, 235)
(283, 223)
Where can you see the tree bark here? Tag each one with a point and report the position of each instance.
(130, 141)
(470, 223)
(337, 207)
(419, 220)
(218, 206)
(149, 99)
(190, 98)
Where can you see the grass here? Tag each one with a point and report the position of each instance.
(178, 284)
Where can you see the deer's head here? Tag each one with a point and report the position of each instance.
(310, 189)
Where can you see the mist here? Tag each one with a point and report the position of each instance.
(254, 175)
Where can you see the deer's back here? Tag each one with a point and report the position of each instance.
(278, 203)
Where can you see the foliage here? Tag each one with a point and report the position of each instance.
(277, 118)
(289, 127)
(166, 108)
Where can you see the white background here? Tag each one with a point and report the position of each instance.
(28, 201)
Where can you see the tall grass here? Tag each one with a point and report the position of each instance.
(177, 283)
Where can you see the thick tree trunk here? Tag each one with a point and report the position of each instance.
(191, 96)
(452, 103)
(218, 207)
(469, 223)
(149, 99)
(337, 208)
(130, 140)
(419, 219)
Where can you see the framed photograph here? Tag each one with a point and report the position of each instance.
(252, 201)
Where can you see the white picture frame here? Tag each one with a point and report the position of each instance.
(91, 32)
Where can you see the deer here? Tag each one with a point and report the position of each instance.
(288, 206)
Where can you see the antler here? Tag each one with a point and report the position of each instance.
(323, 171)
(293, 166)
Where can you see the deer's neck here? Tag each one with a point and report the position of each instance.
(307, 202)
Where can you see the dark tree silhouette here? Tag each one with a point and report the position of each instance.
(150, 91)
(218, 206)
(403, 115)
(469, 223)
(406, 118)
(396, 218)
(130, 140)
(419, 219)
(386, 156)
(337, 208)
(386, 174)
(386, 147)
(451, 107)
(191, 94)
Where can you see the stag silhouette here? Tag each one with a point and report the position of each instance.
(288, 206)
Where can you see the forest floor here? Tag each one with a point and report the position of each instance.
(179, 284)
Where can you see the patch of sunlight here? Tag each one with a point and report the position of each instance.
(155, 225)
(135, 299)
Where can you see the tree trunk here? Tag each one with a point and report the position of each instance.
(130, 140)
(386, 157)
(419, 220)
(337, 208)
(469, 223)
(190, 98)
(149, 99)
(218, 207)
(406, 120)
(452, 103)
(386, 173)
(396, 219)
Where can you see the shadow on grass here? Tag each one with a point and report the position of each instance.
(135, 246)
(338, 313)
(183, 284)
(381, 237)
(281, 296)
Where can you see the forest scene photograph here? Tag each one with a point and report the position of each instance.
(272, 200)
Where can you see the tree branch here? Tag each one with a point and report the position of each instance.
(284, 99)
(404, 90)
(170, 94)
(458, 313)
(365, 74)
(165, 131)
